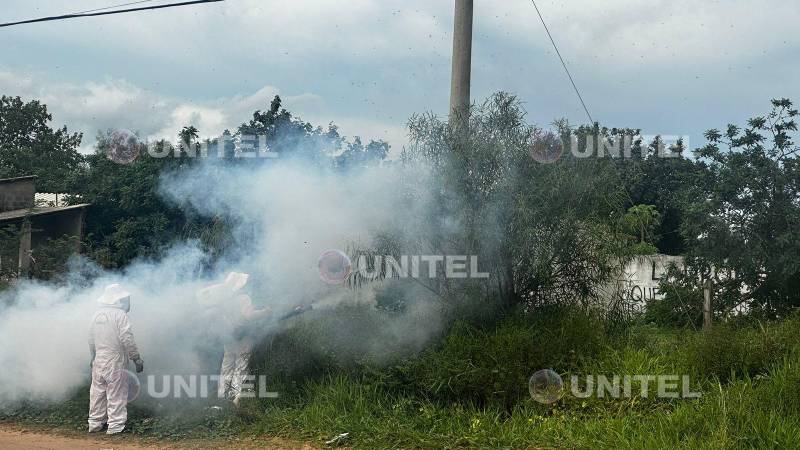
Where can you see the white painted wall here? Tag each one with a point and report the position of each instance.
(639, 280)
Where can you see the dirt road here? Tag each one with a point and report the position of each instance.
(13, 437)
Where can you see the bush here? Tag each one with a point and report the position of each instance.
(493, 366)
(727, 352)
(346, 339)
(51, 258)
(682, 303)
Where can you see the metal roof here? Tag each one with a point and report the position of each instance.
(20, 213)
(11, 180)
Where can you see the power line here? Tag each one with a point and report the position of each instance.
(104, 13)
(574, 86)
(578, 92)
(112, 7)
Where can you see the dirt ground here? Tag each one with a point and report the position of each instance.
(13, 437)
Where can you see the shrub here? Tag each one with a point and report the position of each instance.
(727, 352)
(493, 366)
(347, 339)
(682, 303)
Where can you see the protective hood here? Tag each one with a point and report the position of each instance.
(217, 293)
(235, 281)
(114, 296)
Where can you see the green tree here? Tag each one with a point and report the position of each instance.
(188, 134)
(666, 183)
(546, 232)
(129, 218)
(29, 146)
(289, 136)
(357, 154)
(743, 226)
(641, 221)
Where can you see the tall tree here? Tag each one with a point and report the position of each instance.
(30, 146)
(743, 227)
(666, 183)
(640, 221)
(289, 136)
(546, 231)
(128, 217)
(357, 154)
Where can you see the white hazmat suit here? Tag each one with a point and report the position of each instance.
(234, 311)
(112, 346)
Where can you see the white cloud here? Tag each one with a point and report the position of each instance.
(616, 34)
(110, 104)
(373, 63)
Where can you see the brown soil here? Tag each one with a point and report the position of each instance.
(14, 437)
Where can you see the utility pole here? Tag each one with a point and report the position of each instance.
(462, 60)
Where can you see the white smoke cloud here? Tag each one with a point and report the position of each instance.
(285, 216)
(45, 329)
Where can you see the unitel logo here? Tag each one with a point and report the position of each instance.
(334, 266)
(123, 147)
(546, 147)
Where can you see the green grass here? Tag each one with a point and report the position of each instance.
(470, 391)
(744, 414)
(749, 379)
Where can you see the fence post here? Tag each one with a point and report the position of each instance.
(707, 305)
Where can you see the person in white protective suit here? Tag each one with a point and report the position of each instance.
(235, 312)
(112, 346)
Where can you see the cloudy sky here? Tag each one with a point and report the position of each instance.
(669, 67)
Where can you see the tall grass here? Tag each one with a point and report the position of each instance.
(470, 390)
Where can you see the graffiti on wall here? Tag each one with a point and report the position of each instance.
(638, 283)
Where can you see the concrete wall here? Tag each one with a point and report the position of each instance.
(17, 193)
(638, 282)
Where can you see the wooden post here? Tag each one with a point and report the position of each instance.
(25, 248)
(707, 305)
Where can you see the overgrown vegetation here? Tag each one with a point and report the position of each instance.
(758, 410)
(551, 235)
(471, 391)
